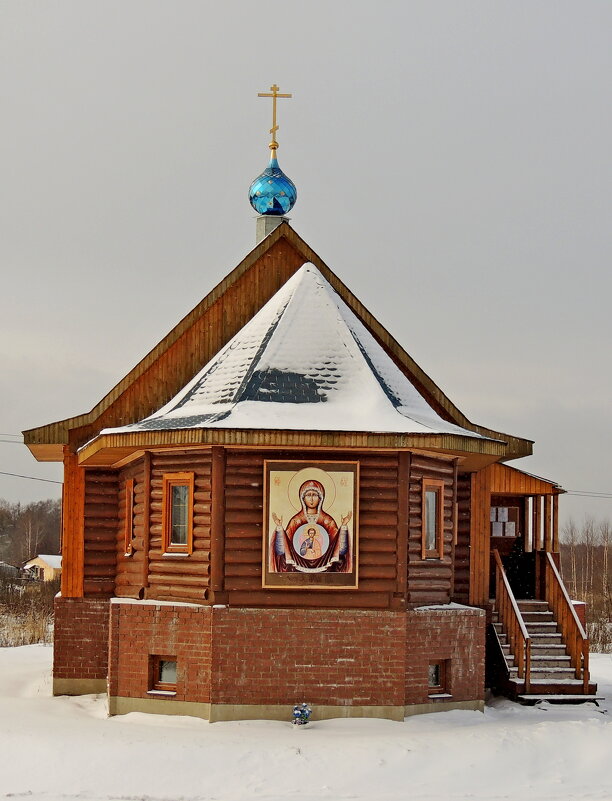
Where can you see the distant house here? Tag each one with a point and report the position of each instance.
(8, 571)
(45, 567)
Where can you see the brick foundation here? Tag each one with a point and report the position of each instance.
(235, 663)
(80, 646)
(140, 629)
(452, 635)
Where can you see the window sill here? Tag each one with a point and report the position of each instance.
(439, 696)
(174, 554)
(163, 693)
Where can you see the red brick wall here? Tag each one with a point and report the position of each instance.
(141, 629)
(80, 642)
(453, 635)
(284, 656)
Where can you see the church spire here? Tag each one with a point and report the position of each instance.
(272, 194)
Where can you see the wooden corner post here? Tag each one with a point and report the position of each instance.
(217, 525)
(73, 527)
(403, 526)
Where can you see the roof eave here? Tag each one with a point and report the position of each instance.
(111, 449)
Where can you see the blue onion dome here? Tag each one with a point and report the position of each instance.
(273, 192)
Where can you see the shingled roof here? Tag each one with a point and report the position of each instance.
(151, 387)
(304, 361)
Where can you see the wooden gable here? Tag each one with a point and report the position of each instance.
(507, 480)
(211, 324)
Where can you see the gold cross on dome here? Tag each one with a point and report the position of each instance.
(274, 94)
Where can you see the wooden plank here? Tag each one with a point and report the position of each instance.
(217, 519)
(146, 525)
(403, 524)
(454, 535)
(548, 523)
(555, 536)
(73, 519)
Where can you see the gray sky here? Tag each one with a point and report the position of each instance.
(452, 164)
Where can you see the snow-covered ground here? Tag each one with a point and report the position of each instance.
(55, 749)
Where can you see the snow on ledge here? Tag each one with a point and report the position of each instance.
(451, 607)
(152, 602)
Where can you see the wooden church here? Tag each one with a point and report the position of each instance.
(277, 505)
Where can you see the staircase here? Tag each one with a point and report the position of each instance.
(544, 646)
(552, 676)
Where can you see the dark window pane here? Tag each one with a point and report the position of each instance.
(434, 675)
(180, 503)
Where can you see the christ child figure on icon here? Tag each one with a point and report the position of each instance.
(312, 541)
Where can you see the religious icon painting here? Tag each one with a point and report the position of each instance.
(310, 524)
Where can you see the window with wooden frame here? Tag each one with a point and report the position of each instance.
(437, 677)
(128, 527)
(432, 534)
(177, 513)
(162, 674)
(505, 521)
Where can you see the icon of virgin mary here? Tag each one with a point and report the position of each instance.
(312, 541)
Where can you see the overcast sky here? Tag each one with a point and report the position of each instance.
(453, 167)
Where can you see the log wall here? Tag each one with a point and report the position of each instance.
(461, 590)
(378, 533)
(178, 577)
(100, 532)
(430, 580)
(130, 574)
(226, 563)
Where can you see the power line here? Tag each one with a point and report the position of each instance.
(32, 478)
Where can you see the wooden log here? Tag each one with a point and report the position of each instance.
(98, 587)
(157, 555)
(243, 556)
(180, 595)
(374, 559)
(174, 581)
(187, 569)
(368, 571)
(377, 546)
(243, 570)
(313, 598)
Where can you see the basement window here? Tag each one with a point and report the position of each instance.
(432, 534)
(177, 513)
(437, 678)
(162, 675)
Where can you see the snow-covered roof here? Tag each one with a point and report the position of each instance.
(303, 362)
(53, 560)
